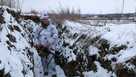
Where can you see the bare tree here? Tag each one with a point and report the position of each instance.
(11, 3)
(2, 2)
(123, 5)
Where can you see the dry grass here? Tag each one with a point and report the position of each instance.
(65, 14)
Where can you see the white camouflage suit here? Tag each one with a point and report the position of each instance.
(47, 37)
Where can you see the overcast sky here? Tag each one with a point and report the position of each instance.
(86, 6)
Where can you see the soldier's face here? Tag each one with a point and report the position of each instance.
(45, 22)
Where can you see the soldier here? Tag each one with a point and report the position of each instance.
(46, 41)
(46, 35)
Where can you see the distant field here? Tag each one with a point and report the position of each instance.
(96, 19)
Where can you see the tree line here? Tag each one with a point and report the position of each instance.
(11, 3)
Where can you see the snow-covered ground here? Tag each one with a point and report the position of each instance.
(18, 58)
(90, 51)
(113, 43)
(123, 34)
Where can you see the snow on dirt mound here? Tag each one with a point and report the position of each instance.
(98, 51)
(84, 50)
(122, 35)
(17, 57)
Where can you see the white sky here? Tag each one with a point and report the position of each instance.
(86, 6)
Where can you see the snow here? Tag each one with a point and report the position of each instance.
(15, 56)
(19, 59)
(7, 16)
(60, 72)
(93, 50)
(123, 34)
(116, 35)
(88, 30)
(69, 55)
(101, 72)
